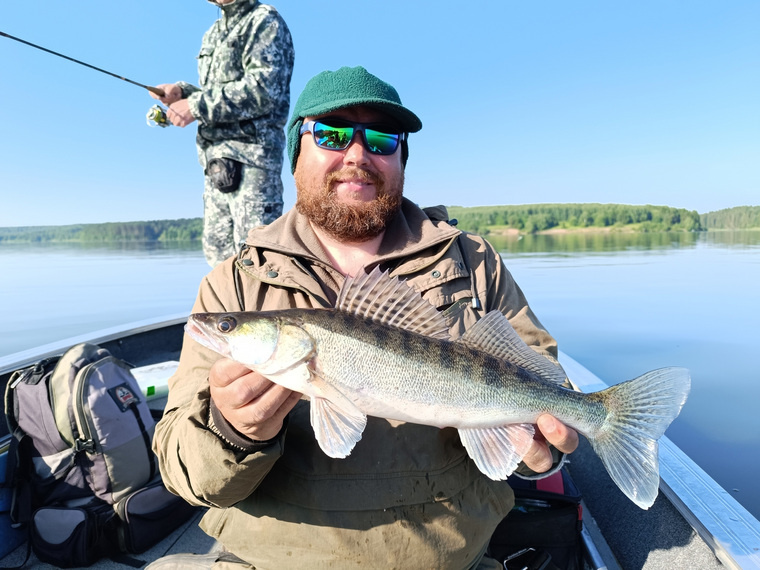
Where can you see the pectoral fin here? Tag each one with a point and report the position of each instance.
(497, 451)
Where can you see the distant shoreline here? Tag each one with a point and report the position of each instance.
(515, 220)
(556, 231)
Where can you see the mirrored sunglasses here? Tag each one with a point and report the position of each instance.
(337, 134)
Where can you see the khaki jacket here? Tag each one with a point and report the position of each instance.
(408, 496)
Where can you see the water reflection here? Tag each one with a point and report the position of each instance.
(742, 239)
(607, 242)
(141, 248)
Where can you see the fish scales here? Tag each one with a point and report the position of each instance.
(393, 358)
(458, 386)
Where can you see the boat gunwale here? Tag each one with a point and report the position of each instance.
(24, 358)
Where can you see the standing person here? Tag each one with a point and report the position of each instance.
(244, 66)
(408, 495)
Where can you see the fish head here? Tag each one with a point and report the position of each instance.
(243, 337)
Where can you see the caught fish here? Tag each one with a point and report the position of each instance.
(384, 351)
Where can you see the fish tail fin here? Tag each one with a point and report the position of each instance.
(638, 413)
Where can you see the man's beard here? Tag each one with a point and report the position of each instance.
(356, 222)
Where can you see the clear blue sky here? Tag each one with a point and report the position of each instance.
(645, 102)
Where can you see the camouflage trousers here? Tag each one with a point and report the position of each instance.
(227, 217)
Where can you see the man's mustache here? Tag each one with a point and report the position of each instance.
(354, 174)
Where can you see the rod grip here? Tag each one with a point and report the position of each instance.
(155, 90)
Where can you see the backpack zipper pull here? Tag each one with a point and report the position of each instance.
(23, 375)
(35, 372)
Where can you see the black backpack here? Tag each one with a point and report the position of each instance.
(543, 530)
(83, 476)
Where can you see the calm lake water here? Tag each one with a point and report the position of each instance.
(620, 304)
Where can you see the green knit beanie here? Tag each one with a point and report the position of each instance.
(347, 87)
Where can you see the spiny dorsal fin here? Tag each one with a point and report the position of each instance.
(391, 302)
(494, 335)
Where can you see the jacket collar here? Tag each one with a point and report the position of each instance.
(236, 8)
(409, 233)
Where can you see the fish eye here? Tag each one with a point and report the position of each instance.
(226, 324)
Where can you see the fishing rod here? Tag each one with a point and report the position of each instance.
(155, 90)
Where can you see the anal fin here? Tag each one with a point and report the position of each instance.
(497, 451)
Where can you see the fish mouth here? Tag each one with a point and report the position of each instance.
(198, 331)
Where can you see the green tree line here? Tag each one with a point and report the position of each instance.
(185, 229)
(532, 218)
(482, 219)
(741, 217)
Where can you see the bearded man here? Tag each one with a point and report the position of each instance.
(408, 495)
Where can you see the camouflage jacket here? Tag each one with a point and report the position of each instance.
(408, 495)
(242, 104)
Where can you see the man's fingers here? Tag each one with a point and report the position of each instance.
(235, 386)
(558, 434)
(225, 371)
(550, 431)
(290, 401)
(274, 403)
(538, 458)
(262, 418)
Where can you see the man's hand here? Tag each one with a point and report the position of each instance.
(549, 430)
(253, 405)
(179, 113)
(172, 93)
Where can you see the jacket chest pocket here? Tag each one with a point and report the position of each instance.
(222, 63)
(449, 289)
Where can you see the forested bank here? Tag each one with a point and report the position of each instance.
(533, 218)
(184, 229)
(741, 218)
(527, 219)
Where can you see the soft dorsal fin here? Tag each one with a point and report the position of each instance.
(494, 335)
(389, 301)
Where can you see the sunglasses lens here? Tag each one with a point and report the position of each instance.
(337, 138)
(379, 142)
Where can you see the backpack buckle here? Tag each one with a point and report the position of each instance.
(84, 445)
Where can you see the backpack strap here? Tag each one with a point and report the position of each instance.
(146, 438)
(17, 478)
(18, 468)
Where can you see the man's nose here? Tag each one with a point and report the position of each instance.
(356, 152)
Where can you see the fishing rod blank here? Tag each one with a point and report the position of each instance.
(155, 90)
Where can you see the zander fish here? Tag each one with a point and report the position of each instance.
(384, 351)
